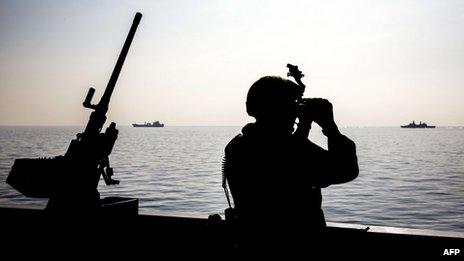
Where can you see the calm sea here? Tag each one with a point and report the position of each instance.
(408, 177)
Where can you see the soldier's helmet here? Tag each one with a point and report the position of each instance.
(271, 96)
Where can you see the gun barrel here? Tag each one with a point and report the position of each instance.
(105, 100)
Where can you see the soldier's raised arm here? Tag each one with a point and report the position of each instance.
(338, 164)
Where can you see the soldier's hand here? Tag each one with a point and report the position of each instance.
(321, 112)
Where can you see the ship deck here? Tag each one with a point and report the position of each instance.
(139, 235)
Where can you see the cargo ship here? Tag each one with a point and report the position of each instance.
(155, 124)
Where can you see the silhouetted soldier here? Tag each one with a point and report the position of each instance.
(275, 174)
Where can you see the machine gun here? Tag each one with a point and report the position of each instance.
(71, 181)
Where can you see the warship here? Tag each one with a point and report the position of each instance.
(421, 125)
(78, 222)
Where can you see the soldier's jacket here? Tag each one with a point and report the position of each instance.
(276, 181)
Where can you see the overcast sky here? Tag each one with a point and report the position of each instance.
(382, 63)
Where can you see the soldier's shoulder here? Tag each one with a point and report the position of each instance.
(236, 141)
(241, 139)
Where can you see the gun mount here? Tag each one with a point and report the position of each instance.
(70, 181)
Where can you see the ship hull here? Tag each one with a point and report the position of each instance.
(417, 127)
(148, 126)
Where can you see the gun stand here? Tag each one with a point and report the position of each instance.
(113, 206)
(81, 196)
(119, 205)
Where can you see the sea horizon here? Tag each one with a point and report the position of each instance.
(130, 125)
(408, 178)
